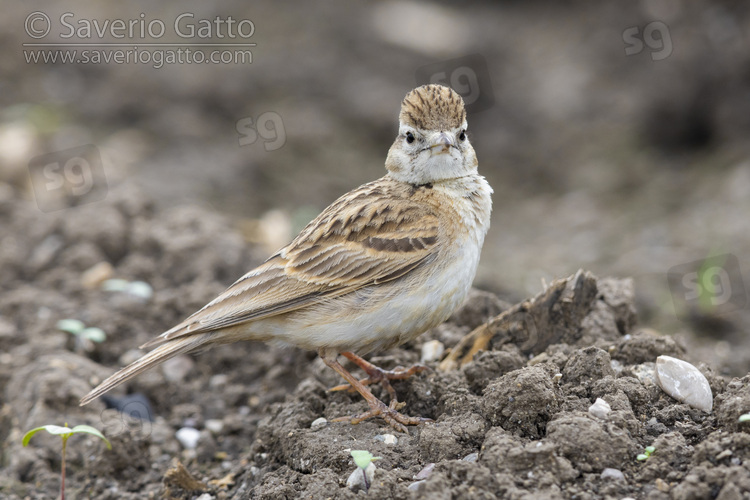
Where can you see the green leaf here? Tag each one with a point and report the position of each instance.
(140, 289)
(73, 326)
(115, 285)
(650, 449)
(642, 457)
(52, 429)
(744, 418)
(87, 429)
(65, 432)
(94, 334)
(361, 458)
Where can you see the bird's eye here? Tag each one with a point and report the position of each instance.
(409, 137)
(462, 136)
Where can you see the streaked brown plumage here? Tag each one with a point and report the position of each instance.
(378, 267)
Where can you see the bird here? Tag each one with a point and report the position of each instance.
(381, 265)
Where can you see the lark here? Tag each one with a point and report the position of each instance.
(380, 266)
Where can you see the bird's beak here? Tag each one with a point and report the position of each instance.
(441, 143)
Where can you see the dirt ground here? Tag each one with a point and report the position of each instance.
(512, 422)
(621, 160)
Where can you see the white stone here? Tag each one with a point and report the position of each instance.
(600, 409)
(356, 481)
(425, 472)
(684, 382)
(387, 438)
(218, 381)
(416, 485)
(318, 423)
(432, 351)
(614, 474)
(188, 437)
(214, 425)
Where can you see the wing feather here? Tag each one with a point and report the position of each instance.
(369, 236)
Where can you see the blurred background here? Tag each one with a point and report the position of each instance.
(615, 134)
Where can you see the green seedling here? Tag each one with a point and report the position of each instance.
(84, 336)
(744, 418)
(65, 433)
(646, 453)
(363, 459)
(139, 289)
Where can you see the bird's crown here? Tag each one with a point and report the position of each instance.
(433, 107)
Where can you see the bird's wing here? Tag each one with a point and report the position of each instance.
(366, 237)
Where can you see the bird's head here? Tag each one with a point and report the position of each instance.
(432, 144)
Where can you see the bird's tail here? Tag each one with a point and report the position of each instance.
(162, 353)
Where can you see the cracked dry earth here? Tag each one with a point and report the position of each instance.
(509, 399)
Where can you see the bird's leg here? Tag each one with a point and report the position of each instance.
(376, 374)
(377, 408)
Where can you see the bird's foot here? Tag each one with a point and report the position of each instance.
(390, 414)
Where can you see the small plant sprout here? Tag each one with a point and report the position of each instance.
(646, 453)
(744, 418)
(139, 289)
(65, 433)
(363, 459)
(84, 336)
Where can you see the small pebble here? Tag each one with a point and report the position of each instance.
(206, 496)
(94, 276)
(684, 382)
(616, 366)
(614, 474)
(724, 454)
(471, 457)
(415, 485)
(432, 351)
(214, 425)
(188, 437)
(661, 485)
(218, 381)
(177, 368)
(387, 438)
(425, 472)
(600, 409)
(318, 423)
(356, 481)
